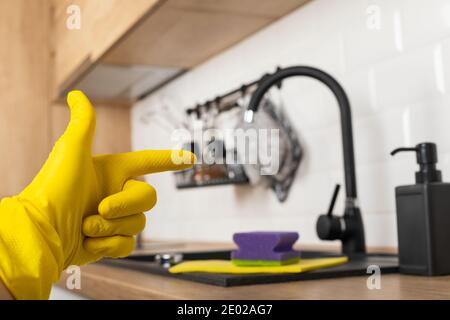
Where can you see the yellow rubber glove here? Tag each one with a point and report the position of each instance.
(78, 209)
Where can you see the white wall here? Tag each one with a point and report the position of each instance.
(398, 80)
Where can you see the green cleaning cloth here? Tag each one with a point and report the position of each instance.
(268, 263)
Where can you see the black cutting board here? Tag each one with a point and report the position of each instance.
(357, 266)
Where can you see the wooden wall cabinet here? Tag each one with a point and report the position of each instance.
(103, 23)
(24, 117)
(124, 44)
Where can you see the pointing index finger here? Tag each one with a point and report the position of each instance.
(140, 163)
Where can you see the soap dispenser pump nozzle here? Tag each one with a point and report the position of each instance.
(427, 158)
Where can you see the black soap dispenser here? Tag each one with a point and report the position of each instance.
(423, 217)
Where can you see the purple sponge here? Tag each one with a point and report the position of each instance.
(269, 246)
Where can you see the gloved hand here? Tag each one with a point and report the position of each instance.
(78, 209)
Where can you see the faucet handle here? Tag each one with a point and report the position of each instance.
(333, 199)
(329, 227)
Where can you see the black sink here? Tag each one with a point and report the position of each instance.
(357, 266)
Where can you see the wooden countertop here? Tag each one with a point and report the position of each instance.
(105, 282)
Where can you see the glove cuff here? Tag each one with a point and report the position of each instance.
(31, 256)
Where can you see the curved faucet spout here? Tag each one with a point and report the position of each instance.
(344, 106)
(352, 233)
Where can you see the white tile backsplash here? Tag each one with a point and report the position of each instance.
(362, 95)
(371, 31)
(425, 22)
(377, 135)
(407, 77)
(397, 77)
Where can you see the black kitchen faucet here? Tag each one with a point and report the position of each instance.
(348, 228)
